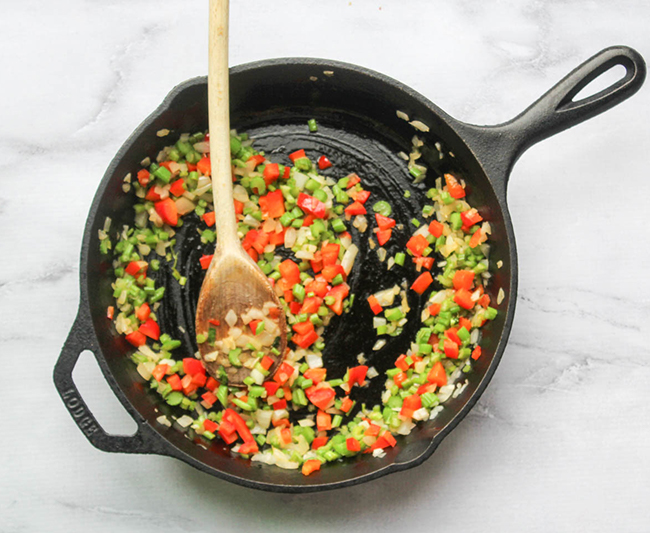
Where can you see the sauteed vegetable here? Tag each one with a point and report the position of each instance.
(301, 417)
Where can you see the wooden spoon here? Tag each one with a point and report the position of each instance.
(233, 280)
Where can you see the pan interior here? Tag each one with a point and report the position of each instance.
(360, 132)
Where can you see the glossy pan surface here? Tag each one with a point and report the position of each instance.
(360, 131)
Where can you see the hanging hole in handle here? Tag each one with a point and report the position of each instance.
(99, 397)
(612, 75)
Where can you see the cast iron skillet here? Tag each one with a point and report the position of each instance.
(359, 131)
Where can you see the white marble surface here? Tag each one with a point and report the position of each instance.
(560, 440)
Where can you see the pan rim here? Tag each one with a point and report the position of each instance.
(172, 449)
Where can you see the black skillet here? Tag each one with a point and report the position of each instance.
(360, 131)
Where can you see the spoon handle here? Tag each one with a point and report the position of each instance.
(219, 125)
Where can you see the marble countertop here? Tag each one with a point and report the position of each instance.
(559, 441)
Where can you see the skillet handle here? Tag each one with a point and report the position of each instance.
(79, 339)
(556, 110)
(500, 146)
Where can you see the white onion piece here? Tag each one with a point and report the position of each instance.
(231, 318)
(238, 193)
(314, 360)
(184, 206)
(202, 147)
(348, 258)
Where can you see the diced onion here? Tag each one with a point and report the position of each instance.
(231, 318)
(348, 258)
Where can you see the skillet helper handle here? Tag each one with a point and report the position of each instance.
(556, 110)
(80, 339)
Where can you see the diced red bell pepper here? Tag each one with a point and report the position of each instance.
(355, 208)
(423, 262)
(476, 353)
(298, 154)
(452, 334)
(372, 431)
(309, 466)
(175, 382)
(384, 222)
(137, 268)
(464, 323)
(362, 197)
(228, 437)
(152, 195)
(239, 207)
(249, 448)
(305, 340)
(177, 188)
(455, 189)
(318, 287)
(287, 173)
(318, 442)
(193, 366)
(352, 444)
(434, 309)
(427, 387)
(353, 179)
(323, 421)
(167, 210)
(402, 363)
(257, 159)
(436, 228)
(470, 217)
(209, 398)
(375, 306)
(151, 329)
(205, 261)
(199, 380)
(383, 236)
(463, 279)
(191, 166)
(266, 362)
(484, 301)
(321, 397)
(209, 218)
(302, 328)
(211, 384)
(437, 375)
(271, 387)
(324, 162)
(271, 172)
(280, 404)
(290, 271)
(477, 238)
(464, 298)
(330, 253)
(331, 271)
(346, 404)
(357, 374)
(137, 338)
(277, 238)
(204, 166)
(159, 371)
(339, 293)
(143, 177)
(422, 282)
(410, 405)
(400, 378)
(110, 311)
(240, 426)
(311, 305)
(272, 205)
(284, 373)
(316, 374)
(451, 349)
(389, 438)
(312, 206)
(417, 244)
(209, 425)
(295, 307)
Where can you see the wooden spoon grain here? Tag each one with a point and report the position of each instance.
(233, 280)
